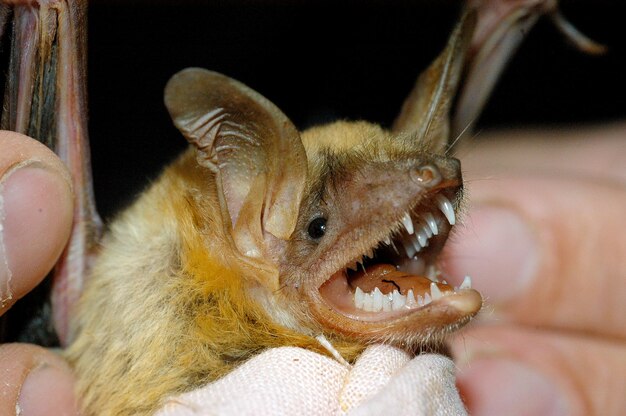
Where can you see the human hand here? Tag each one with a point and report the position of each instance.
(545, 243)
(35, 223)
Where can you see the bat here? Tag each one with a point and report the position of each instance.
(260, 236)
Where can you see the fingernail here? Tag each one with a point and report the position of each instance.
(506, 387)
(47, 390)
(35, 213)
(497, 248)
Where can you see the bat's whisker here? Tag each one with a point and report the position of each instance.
(459, 136)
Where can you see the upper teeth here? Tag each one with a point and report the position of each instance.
(426, 227)
(426, 230)
(414, 244)
(409, 248)
(376, 301)
(446, 208)
(408, 224)
(422, 238)
(432, 224)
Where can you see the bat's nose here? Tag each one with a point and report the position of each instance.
(427, 175)
(437, 172)
(450, 169)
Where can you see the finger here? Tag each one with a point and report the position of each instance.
(35, 382)
(514, 371)
(598, 152)
(35, 214)
(546, 251)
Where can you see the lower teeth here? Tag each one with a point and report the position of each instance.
(376, 301)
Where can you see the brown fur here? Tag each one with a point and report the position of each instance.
(166, 309)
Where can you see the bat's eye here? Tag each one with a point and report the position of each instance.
(317, 228)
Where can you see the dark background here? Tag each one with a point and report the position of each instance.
(320, 60)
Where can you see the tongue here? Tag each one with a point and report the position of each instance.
(387, 278)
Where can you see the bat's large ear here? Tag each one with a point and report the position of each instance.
(253, 148)
(425, 111)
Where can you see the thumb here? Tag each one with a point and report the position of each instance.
(35, 214)
(545, 251)
(35, 382)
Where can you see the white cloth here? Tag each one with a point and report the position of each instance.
(292, 381)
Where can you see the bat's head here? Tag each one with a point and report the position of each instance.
(339, 229)
(377, 210)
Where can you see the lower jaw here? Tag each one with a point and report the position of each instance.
(436, 304)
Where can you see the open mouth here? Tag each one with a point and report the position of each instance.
(399, 274)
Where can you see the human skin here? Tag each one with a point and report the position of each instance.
(544, 242)
(541, 239)
(36, 216)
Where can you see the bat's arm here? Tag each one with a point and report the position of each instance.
(46, 98)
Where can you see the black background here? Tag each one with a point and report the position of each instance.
(318, 61)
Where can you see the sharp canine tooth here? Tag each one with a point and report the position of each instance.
(377, 304)
(467, 283)
(432, 224)
(398, 300)
(427, 299)
(410, 299)
(420, 300)
(434, 291)
(387, 240)
(358, 298)
(446, 207)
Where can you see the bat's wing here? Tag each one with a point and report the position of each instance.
(501, 27)
(46, 98)
(483, 42)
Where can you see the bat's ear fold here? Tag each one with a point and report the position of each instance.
(253, 148)
(425, 111)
